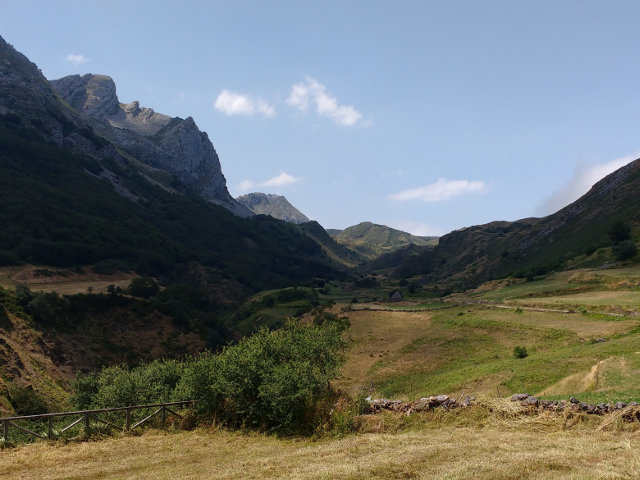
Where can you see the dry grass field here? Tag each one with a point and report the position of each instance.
(455, 447)
(627, 299)
(378, 336)
(584, 326)
(64, 282)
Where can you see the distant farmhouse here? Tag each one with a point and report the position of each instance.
(396, 296)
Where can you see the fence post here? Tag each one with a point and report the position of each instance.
(127, 415)
(164, 415)
(6, 431)
(50, 428)
(87, 427)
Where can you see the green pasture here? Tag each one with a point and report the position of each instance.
(469, 350)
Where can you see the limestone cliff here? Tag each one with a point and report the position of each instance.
(172, 145)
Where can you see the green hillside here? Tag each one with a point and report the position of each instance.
(581, 234)
(371, 240)
(57, 212)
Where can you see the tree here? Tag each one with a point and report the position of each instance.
(277, 380)
(625, 250)
(143, 287)
(40, 308)
(414, 286)
(23, 294)
(619, 232)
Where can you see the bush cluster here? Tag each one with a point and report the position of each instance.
(25, 401)
(271, 380)
(520, 352)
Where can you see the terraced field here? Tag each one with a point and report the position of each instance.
(594, 351)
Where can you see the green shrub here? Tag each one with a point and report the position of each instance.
(277, 379)
(520, 352)
(143, 287)
(625, 250)
(85, 388)
(42, 307)
(196, 381)
(619, 232)
(23, 294)
(120, 386)
(26, 401)
(274, 380)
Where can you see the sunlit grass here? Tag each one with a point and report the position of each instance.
(469, 350)
(438, 445)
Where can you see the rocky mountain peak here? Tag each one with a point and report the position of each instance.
(95, 96)
(92, 95)
(168, 144)
(165, 148)
(276, 206)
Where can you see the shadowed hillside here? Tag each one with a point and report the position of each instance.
(581, 234)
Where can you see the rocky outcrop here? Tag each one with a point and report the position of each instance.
(426, 403)
(161, 143)
(276, 206)
(95, 96)
(573, 405)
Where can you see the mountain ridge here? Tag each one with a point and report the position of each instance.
(467, 257)
(173, 145)
(276, 206)
(71, 196)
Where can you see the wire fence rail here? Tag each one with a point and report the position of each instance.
(47, 426)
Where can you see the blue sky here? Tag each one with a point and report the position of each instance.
(423, 115)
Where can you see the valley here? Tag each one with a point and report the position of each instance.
(129, 274)
(421, 347)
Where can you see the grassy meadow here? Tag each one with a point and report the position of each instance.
(467, 349)
(462, 346)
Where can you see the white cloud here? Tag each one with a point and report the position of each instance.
(246, 185)
(232, 103)
(417, 228)
(299, 97)
(280, 180)
(582, 180)
(76, 59)
(313, 92)
(439, 191)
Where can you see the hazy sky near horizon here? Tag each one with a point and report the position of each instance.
(427, 116)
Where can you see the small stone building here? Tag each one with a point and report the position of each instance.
(396, 296)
